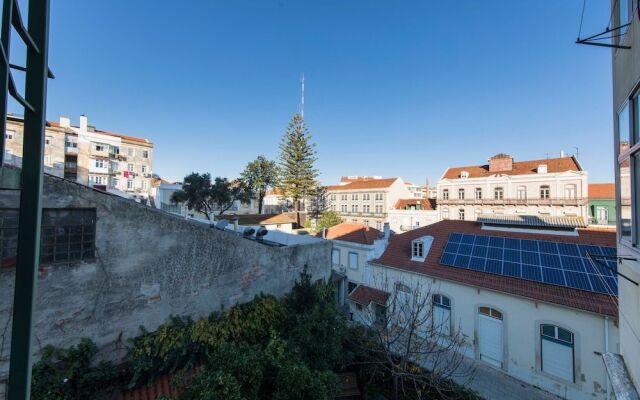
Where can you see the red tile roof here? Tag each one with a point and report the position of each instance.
(398, 255)
(258, 219)
(603, 191)
(425, 204)
(562, 164)
(355, 233)
(364, 184)
(365, 295)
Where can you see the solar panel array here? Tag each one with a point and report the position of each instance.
(555, 263)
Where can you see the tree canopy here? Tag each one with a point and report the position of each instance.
(204, 196)
(259, 176)
(297, 162)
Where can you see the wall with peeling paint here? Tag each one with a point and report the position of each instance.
(148, 266)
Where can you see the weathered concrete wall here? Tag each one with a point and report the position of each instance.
(148, 265)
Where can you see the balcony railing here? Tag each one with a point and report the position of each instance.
(362, 214)
(557, 201)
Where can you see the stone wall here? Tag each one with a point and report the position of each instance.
(148, 266)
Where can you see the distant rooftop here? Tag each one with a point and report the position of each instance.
(554, 165)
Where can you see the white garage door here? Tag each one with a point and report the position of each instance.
(490, 336)
(557, 351)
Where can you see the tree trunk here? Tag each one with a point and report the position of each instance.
(260, 201)
(395, 387)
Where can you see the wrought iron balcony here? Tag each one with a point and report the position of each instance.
(553, 201)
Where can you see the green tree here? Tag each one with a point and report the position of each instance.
(297, 158)
(328, 219)
(204, 196)
(260, 175)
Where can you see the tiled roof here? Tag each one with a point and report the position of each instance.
(398, 255)
(364, 184)
(365, 295)
(355, 233)
(125, 137)
(602, 191)
(425, 204)
(346, 179)
(562, 164)
(259, 219)
(546, 221)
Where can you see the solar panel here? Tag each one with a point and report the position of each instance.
(554, 263)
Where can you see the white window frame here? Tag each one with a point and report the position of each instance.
(545, 192)
(478, 193)
(443, 303)
(555, 338)
(461, 214)
(445, 194)
(461, 194)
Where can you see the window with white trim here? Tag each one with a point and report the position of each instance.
(144, 169)
(478, 193)
(557, 352)
(101, 164)
(445, 194)
(9, 134)
(445, 213)
(353, 260)
(145, 154)
(521, 193)
(545, 192)
(441, 314)
(130, 184)
(498, 193)
(417, 249)
(130, 167)
(460, 194)
(461, 214)
(570, 191)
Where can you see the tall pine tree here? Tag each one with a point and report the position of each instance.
(297, 158)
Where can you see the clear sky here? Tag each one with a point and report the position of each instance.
(393, 88)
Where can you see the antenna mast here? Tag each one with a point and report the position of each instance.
(302, 99)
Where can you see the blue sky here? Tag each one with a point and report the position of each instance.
(393, 88)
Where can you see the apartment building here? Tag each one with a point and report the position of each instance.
(539, 306)
(109, 161)
(366, 199)
(625, 367)
(408, 214)
(555, 187)
(602, 204)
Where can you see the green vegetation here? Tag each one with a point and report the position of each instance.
(327, 220)
(260, 175)
(297, 158)
(283, 349)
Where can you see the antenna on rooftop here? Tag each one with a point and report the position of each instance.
(577, 152)
(302, 99)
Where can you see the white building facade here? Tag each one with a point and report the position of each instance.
(555, 187)
(408, 214)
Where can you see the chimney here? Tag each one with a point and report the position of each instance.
(84, 123)
(386, 231)
(65, 122)
(500, 162)
(561, 153)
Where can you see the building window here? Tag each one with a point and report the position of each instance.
(460, 194)
(379, 196)
(9, 134)
(100, 147)
(490, 312)
(417, 249)
(47, 140)
(570, 191)
(130, 167)
(354, 197)
(131, 152)
(145, 154)
(67, 235)
(365, 196)
(478, 193)
(343, 197)
(130, 184)
(544, 191)
(333, 197)
(115, 150)
(343, 208)
(354, 208)
(522, 193)
(351, 286)
(498, 193)
(144, 169)
(365, 222)
(114, 182)
(71, 144)
(100, 164)
(335, 257)
(461, 214)
(445, 213)
(145, 185)
(556, 347)
(445, 194)
(626, 185)
(441, 314)
(353, 260)
(366, 208)
(379, 225)
(378, 209)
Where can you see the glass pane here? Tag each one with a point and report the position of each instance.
(485, 311)
(623, 127)
(446, 301)
(625, 200)
(565, 335)
(549, 330)
(496, 314)
(636, 120)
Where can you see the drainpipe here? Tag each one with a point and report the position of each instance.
(606, 348)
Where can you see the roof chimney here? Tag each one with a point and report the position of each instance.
(84, 123)
(500, 162)
(386, 230)
(561, 153)
(65, 122)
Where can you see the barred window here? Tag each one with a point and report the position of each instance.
(67, 235)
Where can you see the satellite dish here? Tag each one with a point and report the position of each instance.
(222, 224)
(261, 232)
(248, 231)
